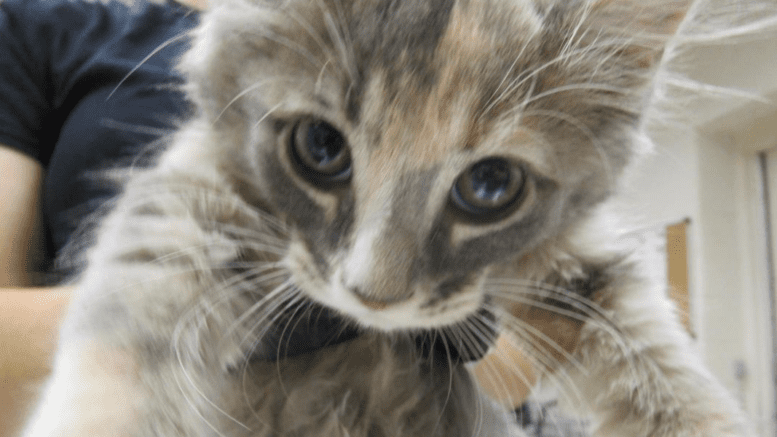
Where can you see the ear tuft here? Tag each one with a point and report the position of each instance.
(644, 25)
(657, 18)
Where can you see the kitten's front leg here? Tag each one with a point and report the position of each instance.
(641, 376)
(151, 327)
(123, 368)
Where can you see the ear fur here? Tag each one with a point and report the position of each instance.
(656, 17)
(644, 25)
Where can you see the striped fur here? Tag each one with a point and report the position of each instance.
(225, 241)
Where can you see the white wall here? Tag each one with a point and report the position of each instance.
(708, 179)
(705, 168)
(662, 186)
(731, 313)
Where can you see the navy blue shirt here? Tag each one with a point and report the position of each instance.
(86, 85)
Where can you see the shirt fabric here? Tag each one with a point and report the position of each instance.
(84, 86)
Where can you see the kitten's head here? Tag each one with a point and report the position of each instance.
(415, 147)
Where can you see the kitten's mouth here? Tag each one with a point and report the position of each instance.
(466, 341)
(309, 327)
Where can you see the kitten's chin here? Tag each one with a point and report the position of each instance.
(447, 338)
(413, 314)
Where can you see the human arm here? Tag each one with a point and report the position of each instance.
(505, 373)
(29, 320)
(29, 317)
(20, 244)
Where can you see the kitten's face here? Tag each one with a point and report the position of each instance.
(416, 148)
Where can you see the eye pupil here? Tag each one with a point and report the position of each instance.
(488, 188)
(320, 153)
(324, 143)
(490, 179)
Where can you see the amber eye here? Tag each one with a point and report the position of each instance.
(320, 152)
(488, 188)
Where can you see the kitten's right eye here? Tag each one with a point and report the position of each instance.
(488, 189)
(320, 153)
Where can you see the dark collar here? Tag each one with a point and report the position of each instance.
(319, 327)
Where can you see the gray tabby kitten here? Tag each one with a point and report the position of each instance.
(406, 179)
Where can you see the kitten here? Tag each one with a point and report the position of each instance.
(420, 174)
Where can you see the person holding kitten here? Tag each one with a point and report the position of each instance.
(84, 86)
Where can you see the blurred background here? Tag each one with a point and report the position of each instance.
(705, 200)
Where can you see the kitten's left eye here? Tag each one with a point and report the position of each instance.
(320, 152)
(488, 188)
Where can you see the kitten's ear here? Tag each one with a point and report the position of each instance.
(645, 25)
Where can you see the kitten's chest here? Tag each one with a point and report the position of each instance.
(371, 386)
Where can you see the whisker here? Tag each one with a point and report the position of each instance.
(518, 82)
(269, 304)
(498, 380)
(289, 44)
(496, 97)
(585, 130)
(465, 337)
(590, 314)
(243, 93)
(291, 303)
(575, 87)
(344, 42)
(176, 338)
(153, 273)
(546, 290)
(144, 60)
(545, 306)
(571, 38)
(300, 306)
(588, 307)
(267, 114)
(538, 341)
(311, 32)
(449, 368)
(549, 367)
(244, 367)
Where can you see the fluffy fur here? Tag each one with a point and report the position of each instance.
(232, 238)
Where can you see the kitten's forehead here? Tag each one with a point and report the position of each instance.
(429, 97)
(406, 35)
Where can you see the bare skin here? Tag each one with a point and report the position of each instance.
(29, 317)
